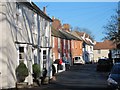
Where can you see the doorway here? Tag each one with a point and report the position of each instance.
(0, 74)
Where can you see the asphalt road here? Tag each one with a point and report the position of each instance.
(79, 77)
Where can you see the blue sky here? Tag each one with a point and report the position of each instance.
(90, 15)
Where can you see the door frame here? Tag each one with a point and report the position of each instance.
(0, 74)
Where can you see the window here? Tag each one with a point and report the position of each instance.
(44, 58)
(58, 42)
(72, 44)
(90, 48)
(80, 46)
(34, 23)
(99, 58)
(18, 16)
(99, 51)
(21, 54)
(76, 45)
(68, 44)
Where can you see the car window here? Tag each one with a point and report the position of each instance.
(116, 69)
(103, 61)
(76, 58)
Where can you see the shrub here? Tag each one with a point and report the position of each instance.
(36, 70)
(21, 72)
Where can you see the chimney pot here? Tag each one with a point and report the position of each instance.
(44, 10)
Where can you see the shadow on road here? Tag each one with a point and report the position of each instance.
(58, 86)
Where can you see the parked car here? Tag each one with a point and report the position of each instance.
(104, 64)
(59, 64)
(114, 77)
(78, 60)
(67, 64)
(116, 60)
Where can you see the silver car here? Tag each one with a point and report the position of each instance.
(114, 77)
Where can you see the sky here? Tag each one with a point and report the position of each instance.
(90, 15)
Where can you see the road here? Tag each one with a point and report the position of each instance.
(79, 77)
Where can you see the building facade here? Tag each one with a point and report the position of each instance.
(87, 46)
(102, 49)
(25, 37)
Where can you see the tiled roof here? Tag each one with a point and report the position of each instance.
(63, 34)
(104, 45)
(76, 35)
(69, 35)
(57, 33)
(80, 34)
(34, 7)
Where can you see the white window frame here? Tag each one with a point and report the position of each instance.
(99, 51)
(68, 44)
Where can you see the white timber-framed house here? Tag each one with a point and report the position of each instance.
(25, 34)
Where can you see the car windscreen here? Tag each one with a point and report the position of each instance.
(102, 61)
(116, 69)
(77, 58)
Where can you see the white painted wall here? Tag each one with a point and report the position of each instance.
(8, 49)
(10, 32)
(103, 54)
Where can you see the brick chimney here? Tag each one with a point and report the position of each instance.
(66, 27)
(53, 17)
(44, 10)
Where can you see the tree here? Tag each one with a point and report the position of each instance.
(112, 29)
(87, 31)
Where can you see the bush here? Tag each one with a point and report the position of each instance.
(36, 70)
(21, 72)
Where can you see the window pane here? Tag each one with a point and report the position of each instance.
(44, 52)
(21, 49)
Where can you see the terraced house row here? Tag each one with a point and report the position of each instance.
(69, 44)
(29, 35)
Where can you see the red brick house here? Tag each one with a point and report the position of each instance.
(56, 39)
(87, 46)
(62, 40)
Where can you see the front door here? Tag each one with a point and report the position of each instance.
(0, 74)
(44, 59)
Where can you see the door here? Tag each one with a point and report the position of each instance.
(44, 59)
(0, 74)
